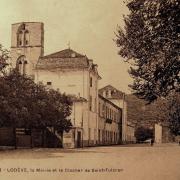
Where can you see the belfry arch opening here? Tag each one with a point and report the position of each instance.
(22, 64)
(22, 36)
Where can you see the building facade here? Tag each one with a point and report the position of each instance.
(96, 119)
(162, 133)
(110, 122)
(118, 98)
(130, 132)
(76, 75)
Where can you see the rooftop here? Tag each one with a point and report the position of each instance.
(29, 22)
(106, 100)
(77, 99)
(67, 58)
(111, 92)
(66, 53)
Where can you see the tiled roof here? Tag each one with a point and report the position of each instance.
(77, 99)
(66, 53)
(63, 59)
(115, 93)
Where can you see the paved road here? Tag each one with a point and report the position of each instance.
(134, 162)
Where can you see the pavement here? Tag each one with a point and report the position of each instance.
(126, 162)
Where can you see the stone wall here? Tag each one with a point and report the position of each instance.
(7, 137)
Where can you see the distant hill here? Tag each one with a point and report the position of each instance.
(139, 112)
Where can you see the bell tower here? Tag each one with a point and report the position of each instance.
(27, 45)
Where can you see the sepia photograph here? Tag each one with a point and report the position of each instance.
(90, 90)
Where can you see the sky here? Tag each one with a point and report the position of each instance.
(89, 26)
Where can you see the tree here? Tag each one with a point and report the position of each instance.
(4, 56)
(168, 112)
(150, 41)
(32, 105)
(28, 105)
(174, 114)
(142, 134)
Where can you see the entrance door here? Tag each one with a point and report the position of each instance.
(79, 139)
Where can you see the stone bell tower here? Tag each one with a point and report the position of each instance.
(27, 45)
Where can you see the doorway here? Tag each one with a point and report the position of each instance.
(78, 139)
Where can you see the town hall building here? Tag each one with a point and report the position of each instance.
(96, 119)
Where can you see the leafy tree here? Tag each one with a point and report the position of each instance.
(164, 110)
(174, 114)
(142, 134)
(26, 104)
(4, 56)
(168, 111)
(150, 41)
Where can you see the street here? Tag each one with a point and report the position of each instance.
(131, 162)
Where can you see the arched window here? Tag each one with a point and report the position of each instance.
(26, 37)
(25, 67)
(22, 36)
(21, 65)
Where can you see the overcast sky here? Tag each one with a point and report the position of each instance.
(89, 25)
